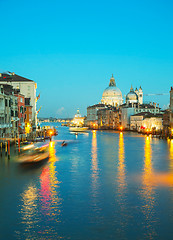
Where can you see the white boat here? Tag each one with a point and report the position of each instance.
(78, 129)
(32, 154)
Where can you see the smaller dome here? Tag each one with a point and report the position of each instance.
(131, 96)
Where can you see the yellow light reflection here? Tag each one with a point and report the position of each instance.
(171, 154)
(148, 194)
(122, 186)
(121, 164)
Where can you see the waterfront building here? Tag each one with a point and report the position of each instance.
(108, 118)
(129, 109)
(112, 94)
(146, 121)
(92, 116)
(8, 112)
(28, 116)
(27, 88)
(171, 107)
(78, 120)
(21, 112)
(166, 122)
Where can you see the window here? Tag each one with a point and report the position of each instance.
(21, 109)
(6, 104)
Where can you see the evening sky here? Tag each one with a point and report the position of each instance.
(71, 49)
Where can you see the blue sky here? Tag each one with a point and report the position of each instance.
(71, 48)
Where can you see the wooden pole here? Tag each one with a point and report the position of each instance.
(5, 148)
(1, 149)
(8, 149)
(19, 145)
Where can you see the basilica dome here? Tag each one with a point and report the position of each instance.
(112, 94)
(131, 97)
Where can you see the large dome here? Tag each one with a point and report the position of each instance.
(112, 95)
(112, 92)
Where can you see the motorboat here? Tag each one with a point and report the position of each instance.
(32, 154)
(63, 144)
(78, 129)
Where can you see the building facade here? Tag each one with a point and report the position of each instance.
(146, 121)
(27, 88)
(8, 112)
(130, 109)
(109, 118)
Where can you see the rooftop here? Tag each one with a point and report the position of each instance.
(12, 77)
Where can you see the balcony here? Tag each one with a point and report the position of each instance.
(5, 125)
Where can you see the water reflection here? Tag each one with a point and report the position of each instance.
(122, 187)
(94, 167)
(29, 211)
(43, 202)
(121, 166)
(49, 185)
(170, 143)
(148, 193)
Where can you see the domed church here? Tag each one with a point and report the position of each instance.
(112, 94)
(135, 96)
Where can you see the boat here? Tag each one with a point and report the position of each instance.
(63, 144)
(78, 129)
(32, 154)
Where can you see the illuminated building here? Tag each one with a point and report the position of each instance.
(112, 94)
(146, 120)
(78, 120)
(108, 118)
(130, 109)
(92, 116)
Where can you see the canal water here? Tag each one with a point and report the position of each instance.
(102, 185)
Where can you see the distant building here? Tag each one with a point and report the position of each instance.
(171, 108)
(92, 116)
(130, 109)
(27, 88)
(78, 120)
(146, 121)
(166, 122)
(112, 94)
(101, 116)
(108, 118)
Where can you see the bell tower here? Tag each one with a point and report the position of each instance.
(140, 95)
